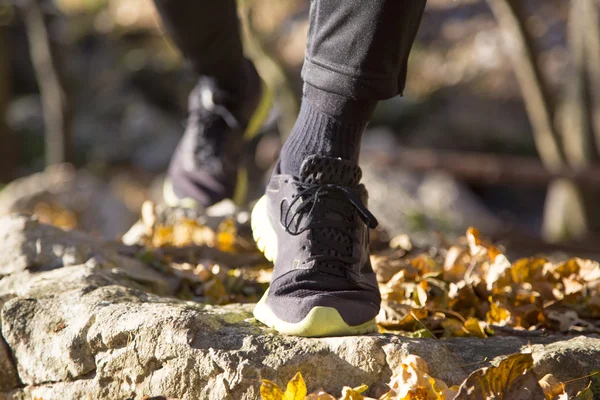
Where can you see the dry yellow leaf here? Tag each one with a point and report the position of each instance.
(551, 386)
(56, 215)
(354, 394)
(270, 391)
(226, 235)
(527, 269)
(296, 388)
(163, 235)
(413, 382)
(497, 382)
(497, 315)
(474, 326)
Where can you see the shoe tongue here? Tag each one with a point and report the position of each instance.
(327, 170)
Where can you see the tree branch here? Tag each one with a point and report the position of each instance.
(7, 145)
(538, 102)
(55, 101)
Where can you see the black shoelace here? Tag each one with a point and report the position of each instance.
(316, 203)
(209, 147)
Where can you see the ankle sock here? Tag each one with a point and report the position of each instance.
(328, 125)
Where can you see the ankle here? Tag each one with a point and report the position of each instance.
(319, 133)
(340, 108)
(239, 90)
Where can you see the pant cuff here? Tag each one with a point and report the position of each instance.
(354, 87)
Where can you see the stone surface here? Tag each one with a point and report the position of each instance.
(9, 378)
(79, 328)
(89, 200)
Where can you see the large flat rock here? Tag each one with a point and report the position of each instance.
(106, 330)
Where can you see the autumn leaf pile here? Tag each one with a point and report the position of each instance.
(465, 288)
(472, 289)
(211, 260)
(512, 379)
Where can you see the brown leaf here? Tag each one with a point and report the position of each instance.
(412, 382)
(525, 387)
(320, 395)
(551, 386)
(497, 382)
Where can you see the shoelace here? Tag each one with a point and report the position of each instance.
(209, 148)
(333, 199)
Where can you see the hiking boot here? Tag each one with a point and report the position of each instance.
(315, 230)
(206, 166)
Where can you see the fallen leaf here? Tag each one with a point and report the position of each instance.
(497, 315)
(475, 328)
(296, 388)
(270, 391)
(495, 382)
(226, 235)
(585, 394)
(551, 386)
(527, 269)
(320, 395)
(499, 273)
(354, 393)
(524, 387)
(413, 382)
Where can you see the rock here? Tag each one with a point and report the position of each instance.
(81, 329)
(417, 204)
(90, 201)
(27, 247)
(9, 378)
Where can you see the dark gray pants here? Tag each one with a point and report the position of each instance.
(356, 48)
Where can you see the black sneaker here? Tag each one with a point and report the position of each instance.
(206, 166)
(316, 231)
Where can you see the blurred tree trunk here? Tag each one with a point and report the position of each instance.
(51, 81)
(7, 142)
(270, 68)
(538, 101)
(564, 131)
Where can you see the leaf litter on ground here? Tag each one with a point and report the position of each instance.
(512, 379)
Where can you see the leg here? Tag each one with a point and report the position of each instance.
(207, 33)
(313, 222)
(356, 55)
(224, 106)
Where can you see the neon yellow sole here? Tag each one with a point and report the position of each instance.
(320, 321)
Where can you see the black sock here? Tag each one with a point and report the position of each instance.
(328, 125)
